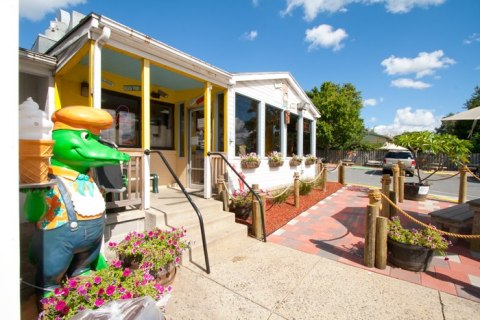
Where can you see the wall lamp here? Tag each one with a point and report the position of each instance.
(84, 89)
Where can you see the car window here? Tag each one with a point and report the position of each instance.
(399, 155)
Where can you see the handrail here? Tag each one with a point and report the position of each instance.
(249, 188)
(197, 211)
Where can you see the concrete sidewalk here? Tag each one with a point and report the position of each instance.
(271, 281)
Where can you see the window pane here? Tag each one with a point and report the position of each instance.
(125, 110)
(161, 125)
(246, 113)
(220, 132)
(307, 137)
(292, 132)
(272, 129)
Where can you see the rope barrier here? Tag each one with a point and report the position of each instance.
(449, 177)
(278, 195)
(314, 179)
(445, 233)
(473, 174)
(338, 165)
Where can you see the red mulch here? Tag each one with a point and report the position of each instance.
(278, 215)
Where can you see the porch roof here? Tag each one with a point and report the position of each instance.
(258, 76)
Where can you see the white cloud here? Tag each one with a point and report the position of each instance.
(35, 10)
(250, 36)
(409, 83)
(404, 6)
(422, 65)
(372, 120)
(407, 119)
(312, 8)
(474, 37)
(370, 102)
(324, 36)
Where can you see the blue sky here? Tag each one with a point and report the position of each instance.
(414, 61)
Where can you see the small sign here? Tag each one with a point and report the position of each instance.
(131, 87)
(423, 190)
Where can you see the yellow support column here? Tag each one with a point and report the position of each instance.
(146, 132)
(207, 130)
(225, 120)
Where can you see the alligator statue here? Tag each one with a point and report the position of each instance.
(70, 215)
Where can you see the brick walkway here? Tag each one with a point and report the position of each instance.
(335, 228)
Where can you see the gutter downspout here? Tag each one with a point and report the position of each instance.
(97, 66)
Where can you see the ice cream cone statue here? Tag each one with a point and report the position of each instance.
(69, 215)
(36, 144)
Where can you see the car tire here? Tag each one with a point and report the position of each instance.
(387, 171)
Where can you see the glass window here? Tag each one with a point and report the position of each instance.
(161, 125)
(246, 114)
(272, 129)
(292, 133)
(125, 110)
(220, 119)
(307, 136)
(181, 130)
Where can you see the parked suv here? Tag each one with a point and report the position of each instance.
(392, 157)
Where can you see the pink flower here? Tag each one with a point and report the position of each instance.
(99, 302)
(112, 244)
(100, 291)
(72, 283)
(110, 290)
(81, 290)
(97, 280)
(126, 272)
(58, 291)
(117, 264)
(60, 305)
(127, 295)
(177, 260)
(65, 292)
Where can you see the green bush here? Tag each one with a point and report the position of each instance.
(305, 188)
(282, 196)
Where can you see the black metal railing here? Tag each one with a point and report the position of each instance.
(197, 211)
(262, 210)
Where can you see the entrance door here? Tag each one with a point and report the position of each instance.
(195, 147)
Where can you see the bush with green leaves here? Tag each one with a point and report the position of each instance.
(305, 188)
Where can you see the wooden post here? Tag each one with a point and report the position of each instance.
(225, 200)
(324, 178)
(369, 250)
(386, 191)
(395, 174)
(462, 191)
(296, 187)
(475, 206)
(401, 186)
(393, 197)
(256, 219)
(374, 197)
(381, 243)
(341, 174)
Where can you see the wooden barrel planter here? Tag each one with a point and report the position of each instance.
(243, 212)
(409, 257)
(415, 191)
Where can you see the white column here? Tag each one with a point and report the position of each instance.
(261, 129)
(97, 67)
(208, 132)
(300, 133)
(283, 134)
(313, 137)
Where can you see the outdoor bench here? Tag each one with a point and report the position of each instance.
(456, 219)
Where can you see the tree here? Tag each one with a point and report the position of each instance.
(340, 125)
(462, 128)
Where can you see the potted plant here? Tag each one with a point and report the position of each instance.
(250, 161)
(296, 160)
(90, 292)
(455, 149)
(310, 159)
(412, 249)
(158, 251)
(275, 159)
(242, 203)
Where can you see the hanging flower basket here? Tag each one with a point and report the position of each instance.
(249, 164)
(243, 212)
(294, 163)
(309, 162)
(274, 164)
